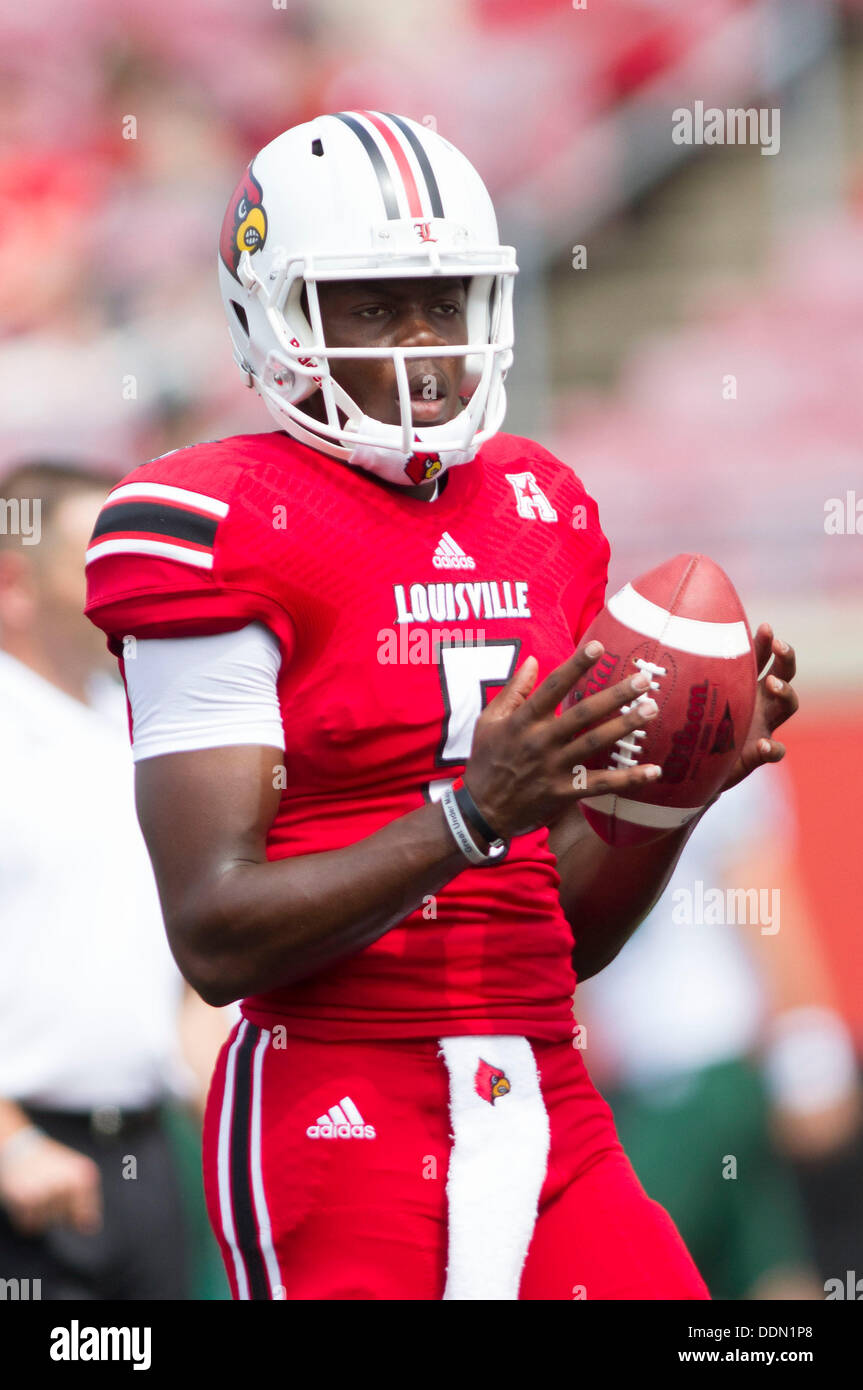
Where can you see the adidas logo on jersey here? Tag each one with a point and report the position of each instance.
(342, 1121)
(450, 556)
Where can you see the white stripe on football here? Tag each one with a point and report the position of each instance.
(683, 622)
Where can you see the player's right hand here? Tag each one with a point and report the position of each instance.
(51, 1185)
(523, 760)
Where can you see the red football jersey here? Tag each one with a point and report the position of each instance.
(365, 587)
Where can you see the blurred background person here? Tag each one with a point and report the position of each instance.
(91, 1200)
(715, 1038)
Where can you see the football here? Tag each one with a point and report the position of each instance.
(683, 622)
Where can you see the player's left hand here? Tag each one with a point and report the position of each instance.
(775, 701)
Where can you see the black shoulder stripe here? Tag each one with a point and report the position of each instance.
(158, 519)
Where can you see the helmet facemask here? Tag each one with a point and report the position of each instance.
(300, 364)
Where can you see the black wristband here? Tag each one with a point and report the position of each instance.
(472, 813)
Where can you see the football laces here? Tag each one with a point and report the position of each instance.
(627, 752)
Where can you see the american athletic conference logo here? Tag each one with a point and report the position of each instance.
(531, 502)
(342, 1121)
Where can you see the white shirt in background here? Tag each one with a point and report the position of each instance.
(681, 997)
(89, 991)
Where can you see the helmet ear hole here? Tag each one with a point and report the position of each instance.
(298, 302)
(278, 373)
(290, 385)
(242, 316)
(296, 318)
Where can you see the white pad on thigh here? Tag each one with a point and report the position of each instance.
(498, 1163)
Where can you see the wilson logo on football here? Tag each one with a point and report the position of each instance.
(684, 740)
(600, 675)
(342, 1121)
(450, 556)
(724, 732)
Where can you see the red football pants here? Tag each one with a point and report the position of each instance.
(480, 1168)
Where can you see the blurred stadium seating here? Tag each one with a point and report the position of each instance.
(746, 477)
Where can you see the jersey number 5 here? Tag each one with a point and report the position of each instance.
(466, 672)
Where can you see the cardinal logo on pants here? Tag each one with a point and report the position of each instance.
(490, 1082)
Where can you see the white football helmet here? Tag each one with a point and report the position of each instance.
(364, 195)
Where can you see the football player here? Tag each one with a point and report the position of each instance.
(344, 644)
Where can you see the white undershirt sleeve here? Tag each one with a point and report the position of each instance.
(188, 693)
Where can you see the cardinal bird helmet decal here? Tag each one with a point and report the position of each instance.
(490, 1082)
(245, 223)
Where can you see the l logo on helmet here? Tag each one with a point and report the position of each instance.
(244, 227)
(423, 231)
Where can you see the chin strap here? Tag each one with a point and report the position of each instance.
(407, 470)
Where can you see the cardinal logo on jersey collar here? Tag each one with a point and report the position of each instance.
(421, 467)
(490, 1082)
